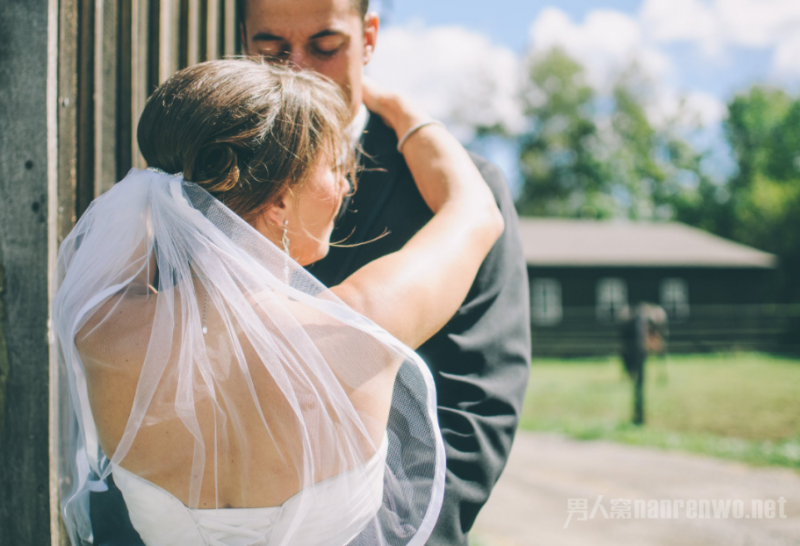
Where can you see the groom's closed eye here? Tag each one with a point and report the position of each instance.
(329, 45)
(324, 44)
(271, 46)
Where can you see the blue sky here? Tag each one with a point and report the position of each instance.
(508, 22)
(505, 21)
(462, 60)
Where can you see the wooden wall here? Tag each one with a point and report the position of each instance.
(711, 328)
(112, 55)
(27, 207)
(730, 309)
(74, 78)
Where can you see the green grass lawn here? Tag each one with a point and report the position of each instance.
(743, 406)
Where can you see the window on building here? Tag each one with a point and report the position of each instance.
(675, 298)
(546, 302)
(612, 299)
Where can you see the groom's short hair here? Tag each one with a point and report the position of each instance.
(361, 5)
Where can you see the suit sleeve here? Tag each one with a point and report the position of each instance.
(480, 361)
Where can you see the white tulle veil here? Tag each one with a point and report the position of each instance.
(207, 362)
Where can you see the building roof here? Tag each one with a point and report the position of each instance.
(557, 242)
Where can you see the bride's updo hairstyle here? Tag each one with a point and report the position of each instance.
(245, 130)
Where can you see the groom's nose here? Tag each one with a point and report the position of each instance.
(299, 60)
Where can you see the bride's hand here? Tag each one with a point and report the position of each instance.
(397, 111)
(414, 291)
(401, 115)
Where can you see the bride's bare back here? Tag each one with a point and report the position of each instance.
(267, 448)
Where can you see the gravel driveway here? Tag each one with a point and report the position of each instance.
(529, 506)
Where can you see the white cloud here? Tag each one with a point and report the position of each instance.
(786, 62)
(687, 109)
(682, 20)
(719, 24)
(758, 23)
(708, 108)
(457, 75)
(606, 43)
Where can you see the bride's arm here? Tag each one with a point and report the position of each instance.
(414, 292)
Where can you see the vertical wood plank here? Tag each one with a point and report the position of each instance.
(230, 30)
(57, 192)
(67, 114)
(168, 39)
(28, 148)
(140, 56)
(202, 33)
(193, 32)
(84, 187)
(65, 217)
(183, 33)
(124, 131)
(238, 46)
(212, 29)
(105, 95)
(153, 40)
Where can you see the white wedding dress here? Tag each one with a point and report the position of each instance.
(173, 312)
(163, 520)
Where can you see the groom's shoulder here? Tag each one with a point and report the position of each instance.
(380, 143)
(495, 179)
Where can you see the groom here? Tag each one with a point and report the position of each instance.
(479, 360)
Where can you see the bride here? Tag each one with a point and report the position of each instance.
(232, 398)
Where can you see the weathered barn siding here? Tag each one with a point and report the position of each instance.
(74, 78)
(27, 155)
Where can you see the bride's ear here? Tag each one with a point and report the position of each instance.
(277, 213)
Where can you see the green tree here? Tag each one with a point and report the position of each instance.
(784, 146)
(599, 156)
(763, 128)
(652, 169)
(561, 174)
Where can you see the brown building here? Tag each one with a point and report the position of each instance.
(584, 274)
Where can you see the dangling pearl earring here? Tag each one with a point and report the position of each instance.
(285, 241)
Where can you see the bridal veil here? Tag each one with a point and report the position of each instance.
(203, 361)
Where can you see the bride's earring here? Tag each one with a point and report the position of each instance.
(285, 241)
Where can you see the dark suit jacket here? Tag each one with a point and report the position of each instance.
(480, 359)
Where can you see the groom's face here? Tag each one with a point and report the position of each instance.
(327, 36)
